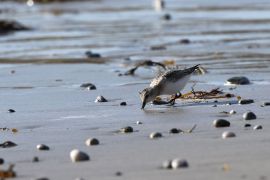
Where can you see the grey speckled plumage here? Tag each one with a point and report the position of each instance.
(168, 83)
(173, 75)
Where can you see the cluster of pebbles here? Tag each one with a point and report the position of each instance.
(247, 116)
(77, 155)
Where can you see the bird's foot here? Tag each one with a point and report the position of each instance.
(174, 97)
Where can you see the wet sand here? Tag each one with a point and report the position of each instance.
(51, 108)
(62, 116)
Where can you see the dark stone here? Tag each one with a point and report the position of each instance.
(123, 104)
(246, 101)
(118, 173)
(157, 48)
(174, 131)
(90, 54)
(155, 135)
(257, 127)
(89, 86)
(101, 99)
(11, 111)
(247, 125)
(42, 178)
(249, 116)
(228, 95)
(10, 26)
(177, 163)
(2, 161)
(43, 147)
(167, 17)
(35, 159)
(127, 129)
(239, 80)
(184, 41)
(266, 104)
(8, 144)
(92, 142)
(221, 123)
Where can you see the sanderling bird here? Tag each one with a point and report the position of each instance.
(159, 5)
(168, 83)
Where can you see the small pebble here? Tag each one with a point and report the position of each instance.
(2, 161)
(43, 147)
(167, 164)
(77, 156)
(184, 41)
(266, 104)
(221, 123)
(247, 125)
(246, 101)
(228, 104)
(214, 105)
(8, 144)
(232, 112)
(179, 163)
(167, 17)
(249, 116)
(90, 54)
(240, 80)
(118, 173)
(101, 99)
(228, 134)
(228, 95)
(11, 111)
(139, 122)
(35, 159)
(174, 131)
(92, 142)
(127, 129)
(157, 48)
(42, 178)
(88, 86)
(257, 127)
(123, 104)
(155, 135)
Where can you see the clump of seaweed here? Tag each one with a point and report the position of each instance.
(215, 93)
(9, 173)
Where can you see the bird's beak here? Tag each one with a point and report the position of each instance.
(143, 104)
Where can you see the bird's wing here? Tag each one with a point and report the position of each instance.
(172, 75)
(175, 75)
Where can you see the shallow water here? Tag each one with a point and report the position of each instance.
(231, 33)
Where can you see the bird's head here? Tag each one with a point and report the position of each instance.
(147, 95)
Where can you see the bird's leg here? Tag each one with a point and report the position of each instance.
(174, 97)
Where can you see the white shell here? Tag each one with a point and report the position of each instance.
(77, 155)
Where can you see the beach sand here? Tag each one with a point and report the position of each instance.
(62, 116)
(228, 39)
